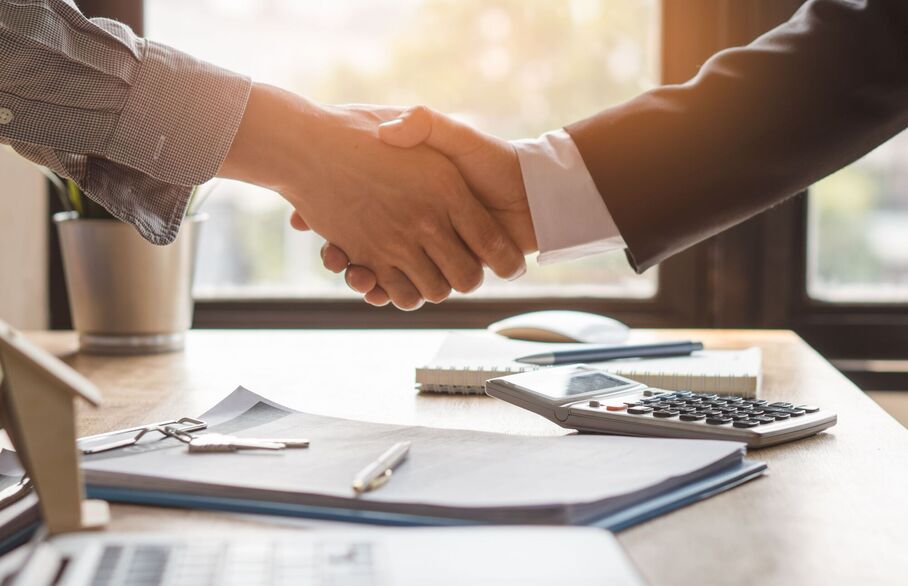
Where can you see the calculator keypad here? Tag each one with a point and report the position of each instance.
(710, 409)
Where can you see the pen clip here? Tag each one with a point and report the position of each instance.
(377, 482)
(380, 480)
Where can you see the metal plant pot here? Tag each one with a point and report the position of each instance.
(128, 296)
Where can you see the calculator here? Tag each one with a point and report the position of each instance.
(589, 399)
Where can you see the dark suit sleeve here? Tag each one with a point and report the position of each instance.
(755, 126)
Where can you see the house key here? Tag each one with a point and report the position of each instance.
(285, 442)
(216, 442)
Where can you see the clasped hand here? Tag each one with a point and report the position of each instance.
(489, 167)
(412, 204)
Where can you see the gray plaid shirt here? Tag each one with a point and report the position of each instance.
(135, 123)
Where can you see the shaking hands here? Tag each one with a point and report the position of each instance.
(413, 203)
(488, 165)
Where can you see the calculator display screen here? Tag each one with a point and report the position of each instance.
(579, 383)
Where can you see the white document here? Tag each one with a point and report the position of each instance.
(449, 473)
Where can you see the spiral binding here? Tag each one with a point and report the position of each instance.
(470, 380)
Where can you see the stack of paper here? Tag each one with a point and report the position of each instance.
(449, 476)
(19, 513)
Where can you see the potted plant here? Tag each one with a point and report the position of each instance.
(127, 296)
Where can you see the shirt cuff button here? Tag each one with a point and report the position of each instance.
(6, 115)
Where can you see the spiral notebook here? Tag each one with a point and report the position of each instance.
(466, 361)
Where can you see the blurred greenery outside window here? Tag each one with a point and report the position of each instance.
(516, 68)
(858, 230)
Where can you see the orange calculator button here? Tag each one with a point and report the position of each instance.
(615, 407)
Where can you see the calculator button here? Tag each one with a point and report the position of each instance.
(632, 403)
(731, 399)
(615, 407)
(665, 413)
(808, 408)
(727, 409)
(641, 410)
(649, 400)
(718, 420)
(764, 420)
(713, 413)
(739, 416)
(706, 395)
(759, 401)
(745, 423)
(782, 405)
(686, 409)
(718, 402)
(677, 403)
(594, 403)
(754, 412)
(692, 416)
(652, 392)
(683, 394)
(778, 415)
(793, 412)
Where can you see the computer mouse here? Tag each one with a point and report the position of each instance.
(562, 326)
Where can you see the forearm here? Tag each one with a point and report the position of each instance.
(135, 123)
(758, 124)
(270, 145)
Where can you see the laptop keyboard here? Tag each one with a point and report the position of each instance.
(243, 563)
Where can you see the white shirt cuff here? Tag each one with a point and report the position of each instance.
(570, 218)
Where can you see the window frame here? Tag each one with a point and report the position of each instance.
(673, 305)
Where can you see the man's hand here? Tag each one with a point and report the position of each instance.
(406, 214)
(488, 164)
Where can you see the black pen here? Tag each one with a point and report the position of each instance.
(602, 353)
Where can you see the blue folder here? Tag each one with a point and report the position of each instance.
(660, 504)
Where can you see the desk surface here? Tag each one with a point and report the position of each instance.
(832, 510)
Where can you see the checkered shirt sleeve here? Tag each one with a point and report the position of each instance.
(134, 123)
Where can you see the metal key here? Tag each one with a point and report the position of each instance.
(286, 442)
(216, 442)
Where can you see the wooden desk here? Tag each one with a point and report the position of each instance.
(832, 510)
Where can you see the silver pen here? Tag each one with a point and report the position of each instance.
(379, 471)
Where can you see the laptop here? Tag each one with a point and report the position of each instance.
(524, 556)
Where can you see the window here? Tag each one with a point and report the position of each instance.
(858, 230)
(830, 266)
(512, 67)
